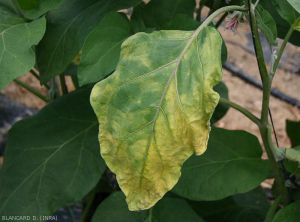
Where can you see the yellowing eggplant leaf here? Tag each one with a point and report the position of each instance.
(154, 111)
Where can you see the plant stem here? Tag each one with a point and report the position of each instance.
(89, 205)
(35, 73)
(216, 13)
(150, 215)
(266, 134)
(63, 84)
(260, 61)
(242, 110)
(282, 47)
(265, 129)
(32, 90)
(272, 210)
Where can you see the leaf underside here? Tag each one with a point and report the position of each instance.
(154, 111)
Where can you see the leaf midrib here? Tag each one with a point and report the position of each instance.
(194, 35)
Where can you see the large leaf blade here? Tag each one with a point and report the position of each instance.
(101, 50)
(247, 207)
(154, 111)
(231, 165)
(167, 210)
(158, 13)
(16, 53)
(67, 28)
(34, 8)
(52, 158)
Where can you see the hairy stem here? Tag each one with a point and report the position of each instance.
(32, 90)
(242, 110)
(265, 129)
(260, 61)
(266, 134)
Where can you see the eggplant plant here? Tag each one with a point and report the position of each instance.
(148, 90)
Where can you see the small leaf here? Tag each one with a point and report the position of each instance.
(101, 50)
(33, 9)
(16, 40)
(266, 24)
(295, 4)
(290, 213)
(221, 109)
(51, 159)
(292, 161)
(154, 111)
(231, 165)
(293, 154)
(293, 131)
(248, 207)
(67, 29)
(286, 11)
(114, 209)
(284, 16)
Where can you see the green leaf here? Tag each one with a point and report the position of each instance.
(290, 213)
(266, 24)
(216, 4)
(101, 50)
(154, 111)
(248, 207)
(182, 22)
(280, 12)
(114, 209)
(16, 41)
(286, 11)
(178, 22)
(292, 161)
(33, 9)
(67, 29)
(232, 164)
(51, 159)
(293, 154)
(293, 131)
(295, 4)
(221, 109)
(159, 13)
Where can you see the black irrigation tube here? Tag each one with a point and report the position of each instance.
(235, 71)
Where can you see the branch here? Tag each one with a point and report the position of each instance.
(32, 90)
(242, 110)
